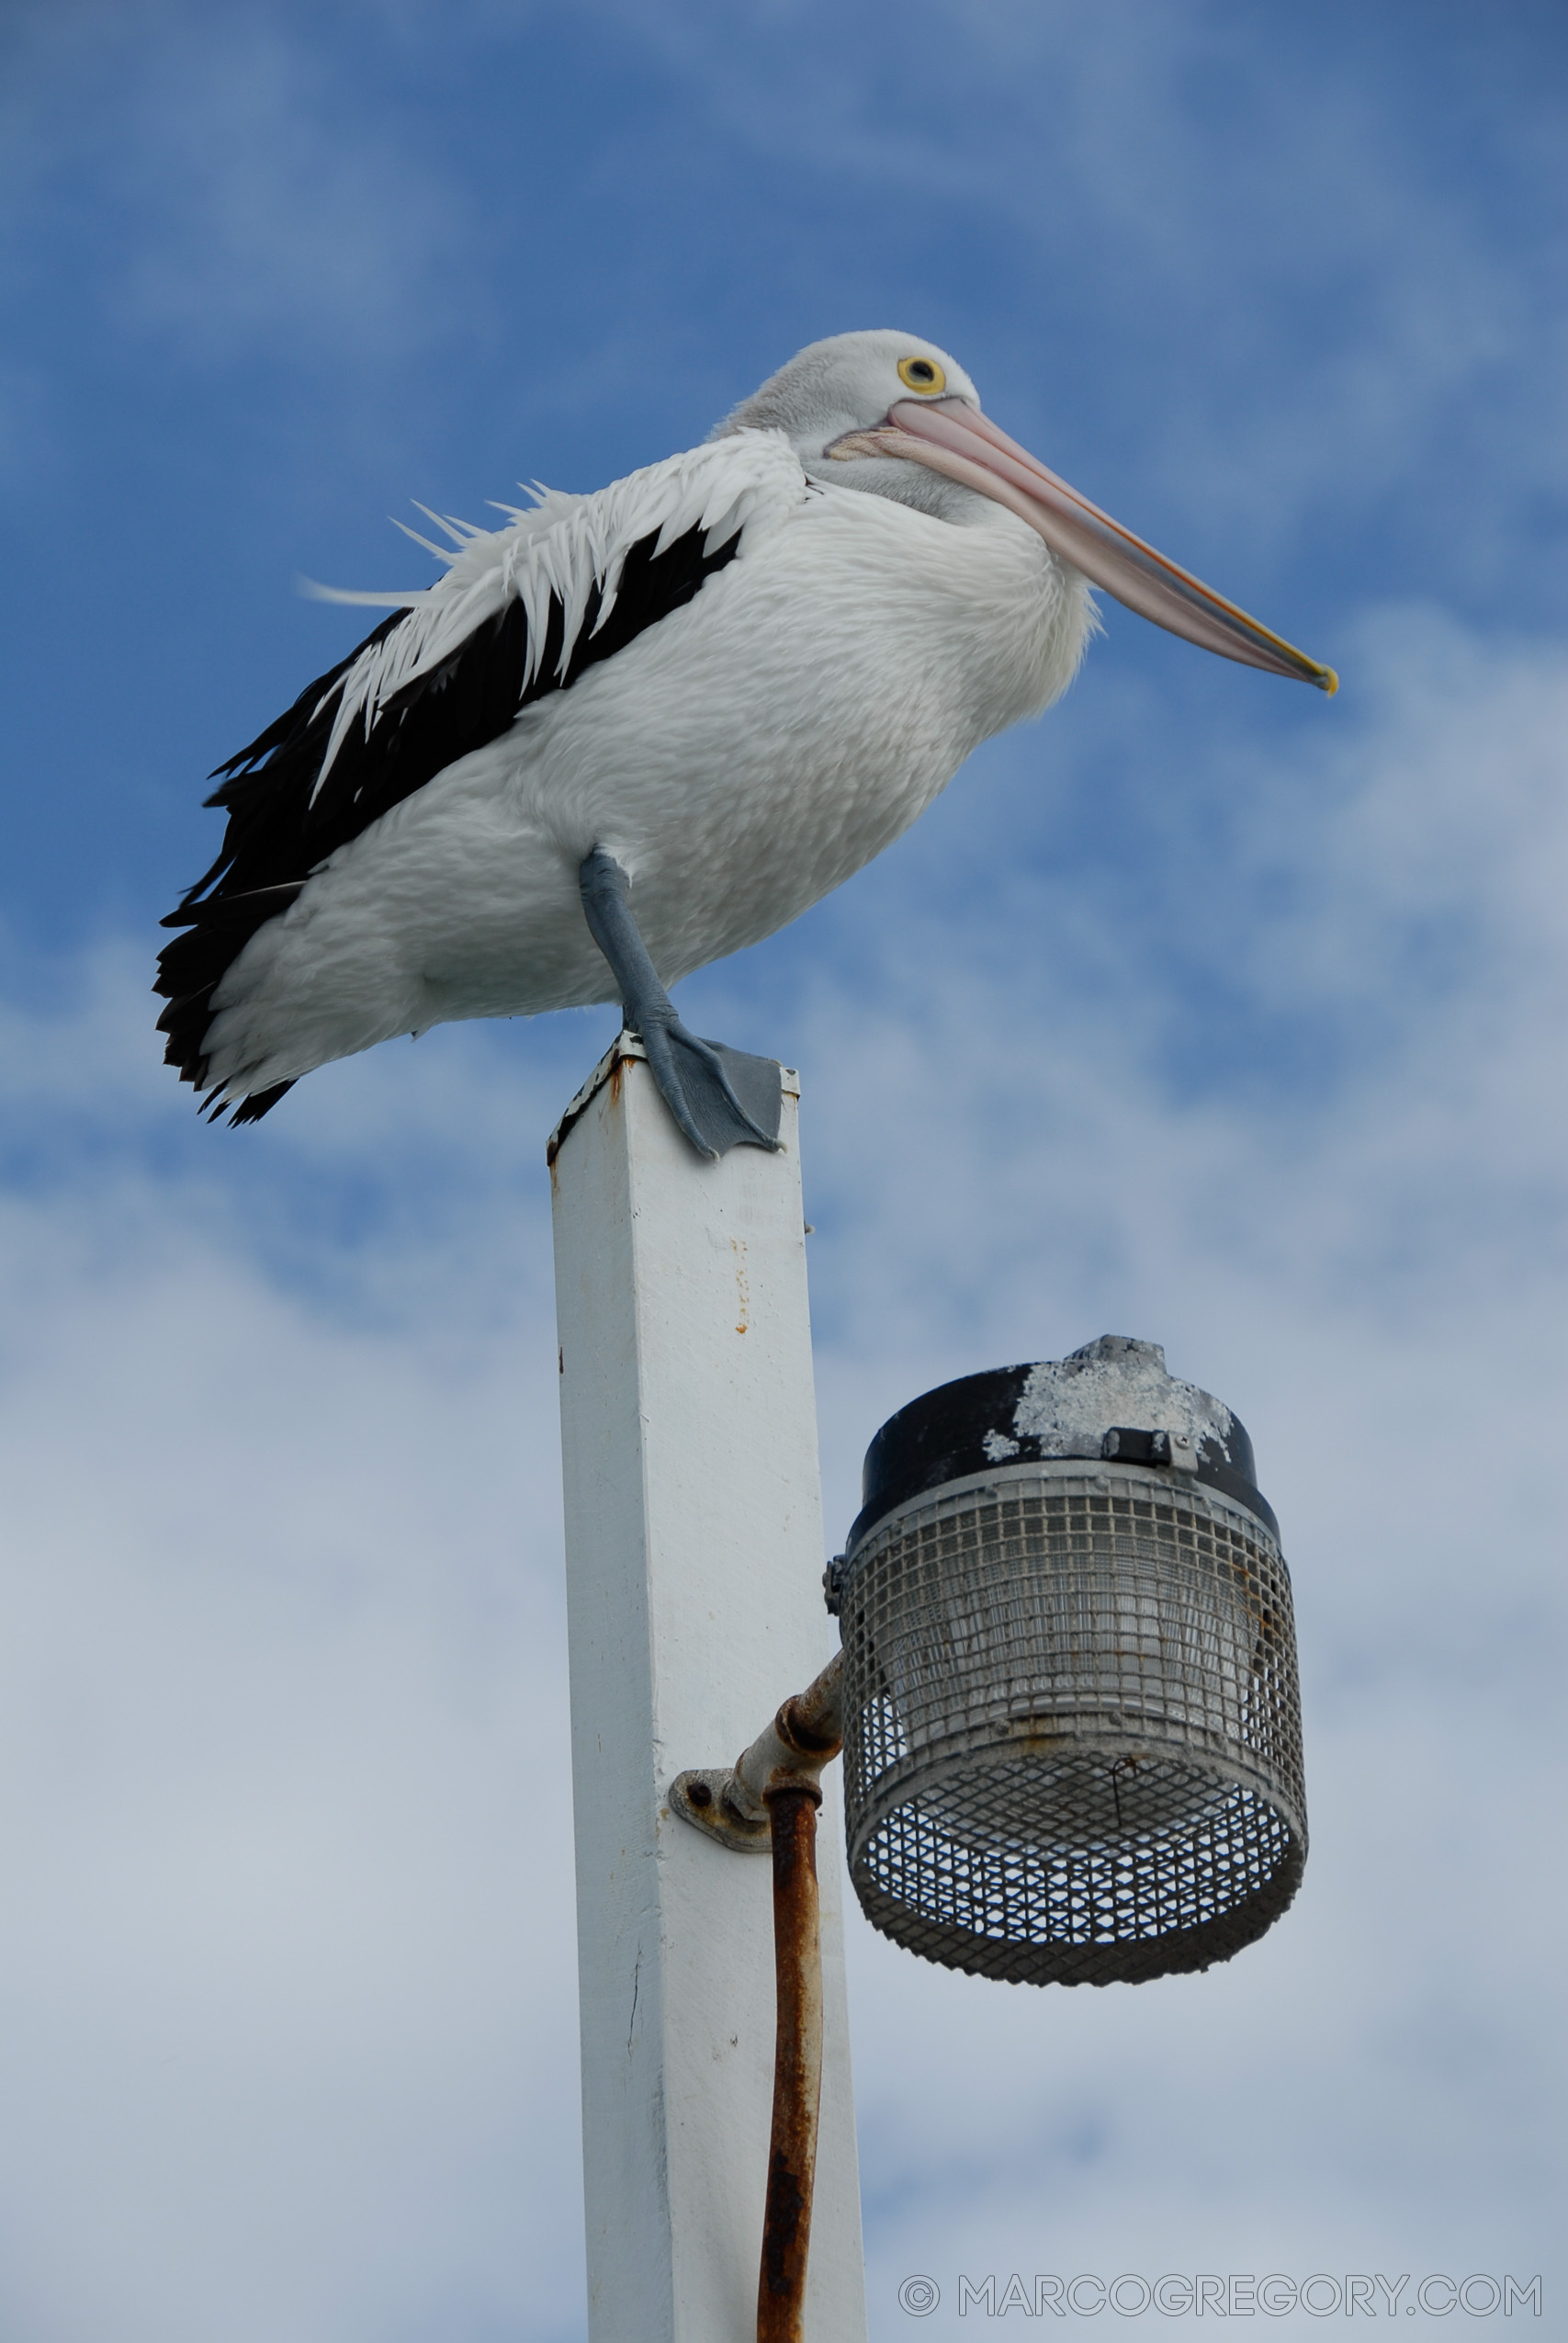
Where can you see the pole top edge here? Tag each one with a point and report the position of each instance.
(625, 1047)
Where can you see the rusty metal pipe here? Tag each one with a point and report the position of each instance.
(805, 1733)
(798, 2064)
(769, 1798)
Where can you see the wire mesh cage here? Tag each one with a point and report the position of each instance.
(1072, 1737)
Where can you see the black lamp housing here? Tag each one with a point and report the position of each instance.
(1072, 1723)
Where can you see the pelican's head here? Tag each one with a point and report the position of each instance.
(895, 416)
(834, 392)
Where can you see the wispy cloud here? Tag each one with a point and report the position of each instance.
(1215, 243)
(1371, 1271)
(226, 193)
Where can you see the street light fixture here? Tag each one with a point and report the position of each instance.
(1072, 1725)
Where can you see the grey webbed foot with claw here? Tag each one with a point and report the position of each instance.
(720, 1098)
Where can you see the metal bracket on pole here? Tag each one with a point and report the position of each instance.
(729, 1803)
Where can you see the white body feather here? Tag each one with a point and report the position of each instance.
(740, 758)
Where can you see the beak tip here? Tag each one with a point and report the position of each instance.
(1328, 682)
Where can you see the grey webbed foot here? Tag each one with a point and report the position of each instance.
(719, 1097)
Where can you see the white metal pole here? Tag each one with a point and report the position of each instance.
(693, 1567)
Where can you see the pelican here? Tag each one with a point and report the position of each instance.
(630, 732)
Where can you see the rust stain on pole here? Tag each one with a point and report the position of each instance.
(798, 2064)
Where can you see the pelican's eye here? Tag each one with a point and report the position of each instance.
(923, 375)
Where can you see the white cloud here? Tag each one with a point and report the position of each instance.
(1368, 1268)
(241, 200)
(285, 1651)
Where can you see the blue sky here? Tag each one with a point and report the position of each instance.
(1239, 1005)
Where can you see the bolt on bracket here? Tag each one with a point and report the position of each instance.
(700, 1796)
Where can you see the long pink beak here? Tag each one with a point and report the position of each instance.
(966, 445)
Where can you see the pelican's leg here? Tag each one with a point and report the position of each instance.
(721, 1098)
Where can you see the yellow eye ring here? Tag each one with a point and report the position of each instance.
(921, 374)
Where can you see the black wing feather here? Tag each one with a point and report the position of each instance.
(281, 826)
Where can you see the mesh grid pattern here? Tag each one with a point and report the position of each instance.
(1072, 1743)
